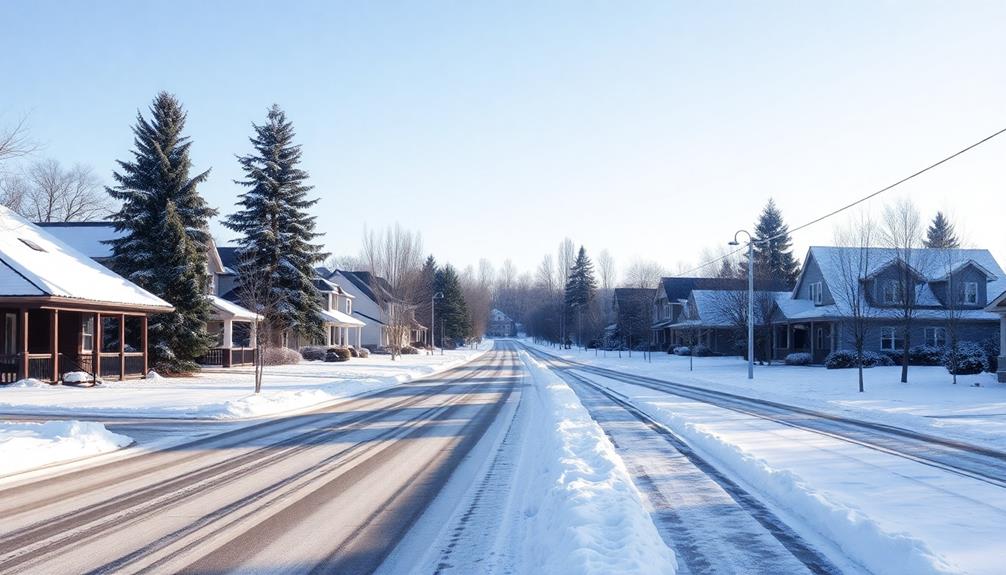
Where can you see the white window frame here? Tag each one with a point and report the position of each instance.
(10, 333)
(932, 339)
(817, 292)
(889, 339)
(349, 306)
(87, 332)
(896, 295)
(969, 294)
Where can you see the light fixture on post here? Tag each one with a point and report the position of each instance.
(751, 242)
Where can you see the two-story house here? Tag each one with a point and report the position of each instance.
(940, 285)
(633, 310)
(376, 305)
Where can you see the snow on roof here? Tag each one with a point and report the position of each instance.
(49, 267)
(714, 306)
(339, 318)
(85, 237)
(231, 310)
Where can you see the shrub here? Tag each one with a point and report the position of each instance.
(895, 356)
(363, 352)
(991, 347)
(313, 353)
(353, 352)
(701, 351)
(926, 355)
(841, 359)
(874, 359)
(337, 354)
(799, 358)
(969, 359)
(280, 356)
(682, 350)
(408, 350)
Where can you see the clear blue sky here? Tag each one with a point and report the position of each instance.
(654, 129)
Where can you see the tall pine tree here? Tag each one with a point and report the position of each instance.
(277, 232)
(426, 288)
(164, 227)
(580, 288)
(453, 321)
(941, 234)
(774, 259)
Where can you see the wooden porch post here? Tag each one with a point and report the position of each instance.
(24, 343)
(143, 336)
(122, 347)
(54, 343)
(813, 336)
(98, 340)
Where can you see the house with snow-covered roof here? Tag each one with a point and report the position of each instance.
(374, 304)
(63, 312)
(998, 307)
(942, 284)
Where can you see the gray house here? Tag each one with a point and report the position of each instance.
(944, 286)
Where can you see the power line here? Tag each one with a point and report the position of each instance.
(851, 205)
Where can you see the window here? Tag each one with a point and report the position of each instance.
(970, 294)
(817, 293)
(667, 310)
(819, 344)
(936, 336)
(782, 337)
(10, 334)
(349, 306)
(892, 292)
(87, 334)
(891, 339)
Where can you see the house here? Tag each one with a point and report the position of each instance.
(376, 305)
(945, 284)
(632, 309)
(232, 325)
(337, 315)
(63, 312)
(678, 319)
(716, 318)
(998, 306)
(500, 325)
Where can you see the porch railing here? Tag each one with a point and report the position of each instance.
(40, 366)
(219, 355)
(212, 357)
(9, 367)
(243, 356)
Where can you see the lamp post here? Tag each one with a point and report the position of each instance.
(751, 242)
(433, 307)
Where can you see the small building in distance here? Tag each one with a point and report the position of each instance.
(500, 325)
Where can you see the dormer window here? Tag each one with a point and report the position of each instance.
(892, 292)
(970, 294)
(817, 293)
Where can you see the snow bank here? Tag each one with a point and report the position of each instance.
(858, 536)
(29, 445)
(583, 513)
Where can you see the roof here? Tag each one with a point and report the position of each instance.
(85, 237)
(677, 288)
(44, 265)
(324, 285)
(713, 306)
(339, 318)
(626, 295)
(229, 258)
(369, 285)
(231, 310)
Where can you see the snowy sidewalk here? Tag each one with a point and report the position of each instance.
(929, 403)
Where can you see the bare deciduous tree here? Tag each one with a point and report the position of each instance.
(396, 257)
(606, 275)
(256, 293)
(643, 274)
(853, 264)
(14, 141)
(902, 232)
(46, 192)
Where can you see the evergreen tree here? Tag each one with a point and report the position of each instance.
(277, 232)
(426, 288)
(453, 321)
(580, 288)
(941, 234)
(774, 259)
(160, 204)
(726, 270)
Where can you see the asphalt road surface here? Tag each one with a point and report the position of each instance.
(331, 491)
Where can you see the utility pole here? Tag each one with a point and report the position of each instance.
(750, 318)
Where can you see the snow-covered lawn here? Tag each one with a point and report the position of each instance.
(929, 403)
(228, 394)
(29, 445)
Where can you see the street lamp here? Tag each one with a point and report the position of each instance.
(433, 307)
(751, 242)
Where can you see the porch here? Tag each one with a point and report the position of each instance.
(235, 330)
(818, 338)
(45, 343)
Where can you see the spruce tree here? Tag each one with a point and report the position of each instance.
(774, 259)
(941, 234)
(426, 288)
(726, 270)
(453, 321)
(277, 233)
(164, 227)
(580, 288)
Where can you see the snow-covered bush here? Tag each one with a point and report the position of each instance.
(682, 350)
(969, 359)
(75, 377)
(874, 359)
(926, 355)
(896, 357)
(337, 354)
(313, 353)
(280, 356)
(799, 358)
(352, 351)
(701, 350)
(408, 350)
(363, 352)
(991, 347)
(841, 359)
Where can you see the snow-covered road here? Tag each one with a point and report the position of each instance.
(878, 497)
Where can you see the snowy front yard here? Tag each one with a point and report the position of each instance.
(929, 403)
(227, 394)
(29, 445)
